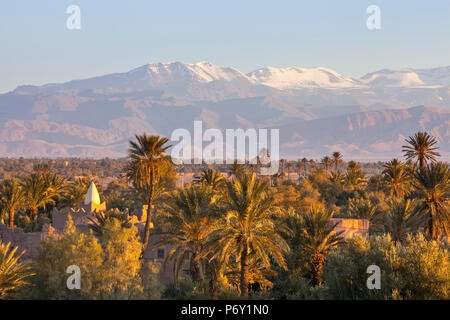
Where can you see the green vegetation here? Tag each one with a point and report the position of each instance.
(232, 233)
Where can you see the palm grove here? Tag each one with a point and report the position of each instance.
(243, 235)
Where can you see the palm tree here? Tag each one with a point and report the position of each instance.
(147, 161)
(432, 183)
(421, 147)
(317, 238)
(11, 198)
(396, 178)
(337, 159)
(304, 161)
(211, 178)
(100, 218)
(300, 168)
(187, 222)
(337, 177)
(354, 176)
(12, 272)
(77, 191)
(249, 227)
(39, 193)
(401, 218)
(236, 169)
(326, 161)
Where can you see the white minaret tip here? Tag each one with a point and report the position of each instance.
(92, 195)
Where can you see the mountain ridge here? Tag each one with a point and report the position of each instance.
(97, 116)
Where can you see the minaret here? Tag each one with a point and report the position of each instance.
(92, 200)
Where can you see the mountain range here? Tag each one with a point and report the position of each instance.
(317, 110)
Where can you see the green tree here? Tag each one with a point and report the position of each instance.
(39, 192)
(187, 223)
(396, 178)
(317, 238)
(354, 177)
(401, 218)
(337, 159)
(414, 269)
(147, 162)
(249, 227)
(432, 184)
(422, 148)
(11, 198)
(13, 274)
(211, 178)
(327, 162)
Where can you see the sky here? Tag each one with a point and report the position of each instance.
(36, 47)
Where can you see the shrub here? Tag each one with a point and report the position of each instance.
(416, 269)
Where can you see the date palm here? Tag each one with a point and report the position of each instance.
(187, 221)
(101, 218)
(13, 273)
(422, 148)
(354, 176)
(249, 228)
(304, 161)
(39, 193)
(146, 164)
(210, 178)
(401, 218)
(11, 198)
(337, 159)
(317, 238)
(300, 168)
(396, 178)
(77, 191)
(433, 185)
(326, 161)
(236, 169)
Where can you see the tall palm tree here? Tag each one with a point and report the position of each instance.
(318, 238)
(304, 161)
(300, 168)
(146, 164)
(337, 159)
(401, 218)
(396, 178)
(432, 183)
(249, 227)
(13, 273)
(11, 198)
(326, 161)
(211, 178)
(186, 224)
(421, 147)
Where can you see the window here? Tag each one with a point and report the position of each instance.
(160, 254)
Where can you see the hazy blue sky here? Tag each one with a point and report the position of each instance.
(116, 36)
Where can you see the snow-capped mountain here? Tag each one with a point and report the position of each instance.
(299, 78)
(97, 116)
(436, 77)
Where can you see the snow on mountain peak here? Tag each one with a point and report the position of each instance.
(203, 72)
(407, 77)
(297, 78)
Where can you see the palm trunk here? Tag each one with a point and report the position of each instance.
(421, 162)
(149, 216)
(244, 270)
(196, 268)
(213, 281)
(11, 218)
(317, 266)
